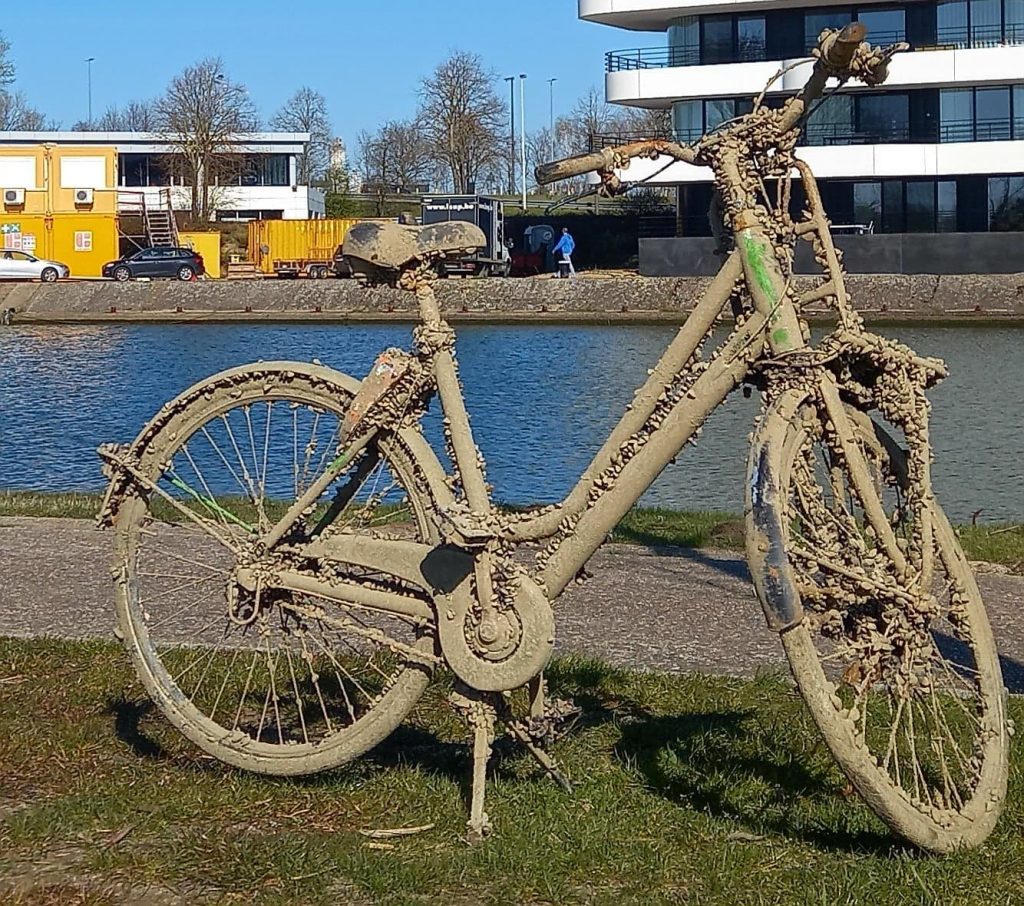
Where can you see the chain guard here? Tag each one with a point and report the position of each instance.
(536, 621)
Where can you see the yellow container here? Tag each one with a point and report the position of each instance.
(290, 240)
(84, 242)
(208, 245)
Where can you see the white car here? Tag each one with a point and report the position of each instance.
(23, 266)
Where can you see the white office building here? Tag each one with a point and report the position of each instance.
(260, 180)
(938, 148)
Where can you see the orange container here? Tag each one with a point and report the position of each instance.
(292, 240)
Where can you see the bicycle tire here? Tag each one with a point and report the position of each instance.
(963, 813)
(180, 422)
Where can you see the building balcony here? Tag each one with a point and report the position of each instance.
(836, 134)
(862, 158)
(693, 54)
(658, 86)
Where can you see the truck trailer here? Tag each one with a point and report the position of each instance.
(488, 214)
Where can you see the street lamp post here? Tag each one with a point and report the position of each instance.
(551, 107)
(522, 131)
(88, 63)
(512, 134)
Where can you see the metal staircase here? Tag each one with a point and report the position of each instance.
(145, 224)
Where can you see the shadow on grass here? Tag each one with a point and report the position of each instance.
(721, 764)
(127, 717)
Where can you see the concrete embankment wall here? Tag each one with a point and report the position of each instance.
(587, 298)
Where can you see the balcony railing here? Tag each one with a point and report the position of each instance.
(757, 52)
(819, 134)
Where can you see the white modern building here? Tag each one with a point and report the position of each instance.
(938, 148)
(260, 183)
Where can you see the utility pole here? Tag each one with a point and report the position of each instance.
(551, 107)
(522, 131)
(511, 81)
(88, 63)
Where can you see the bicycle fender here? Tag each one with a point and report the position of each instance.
(765, 538)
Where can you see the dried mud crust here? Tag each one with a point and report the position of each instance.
(183, 419)
(875, 643)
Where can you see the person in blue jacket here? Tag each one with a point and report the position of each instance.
(566, 245)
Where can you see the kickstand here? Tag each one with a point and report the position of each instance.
(479, 712)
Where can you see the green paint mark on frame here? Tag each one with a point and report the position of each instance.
(780, 337)
(756, 254)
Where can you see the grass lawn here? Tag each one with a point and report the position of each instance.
(997, 543)
(689, 789)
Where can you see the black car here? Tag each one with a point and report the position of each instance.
(181, 264)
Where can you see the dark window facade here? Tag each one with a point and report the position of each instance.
(916, 116)
(141, 170)
(790, 33)
(963, 204)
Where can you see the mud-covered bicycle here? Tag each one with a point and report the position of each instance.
(294, 562)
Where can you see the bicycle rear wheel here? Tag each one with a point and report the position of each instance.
(279, 682)
(893, 654)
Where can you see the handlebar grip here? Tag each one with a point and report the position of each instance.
(572, 166)
(839, 52)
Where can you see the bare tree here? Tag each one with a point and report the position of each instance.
(589, 116)
(200, 117)
(464, 121)
(17, 116)
(6, 63)
(306, 111)
(395, 158)
(135, 116)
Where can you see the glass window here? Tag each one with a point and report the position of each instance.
(750, 37)
(832, 121)
(986, 22)
(717, 111)
(956, 115)
(1018, 111)
(1013, 25)
(893, 220)
(274, 170)
(684, 41)
(992, 114)
(883, 117)
(885, 26)
(921, 207)
(867, 204)
(951, 22)
(945, 221)
(716, 44)
(687, 120)
(819, 20)
(1006, 203)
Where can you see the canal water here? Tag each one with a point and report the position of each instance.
(542, 398)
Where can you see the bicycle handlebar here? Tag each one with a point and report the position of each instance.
(605, 159)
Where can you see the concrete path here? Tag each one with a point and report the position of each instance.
(677, 610)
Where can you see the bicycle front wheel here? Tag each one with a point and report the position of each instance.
(277, 682)
(892, 649)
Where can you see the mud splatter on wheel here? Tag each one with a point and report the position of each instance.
(884, 628)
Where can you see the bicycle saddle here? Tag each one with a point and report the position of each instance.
(396, 246)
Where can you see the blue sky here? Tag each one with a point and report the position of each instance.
(365, 56)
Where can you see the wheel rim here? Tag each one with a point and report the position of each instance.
(49, 275)
(122, 274)
(185, 274)
(905, 684)
(304, 678)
